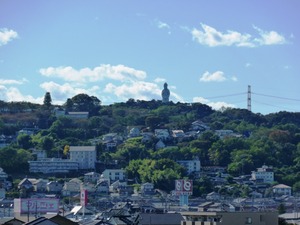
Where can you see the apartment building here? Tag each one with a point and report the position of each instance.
(85, 155)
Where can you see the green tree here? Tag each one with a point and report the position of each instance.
(281, 209)
(47, 143)
(69, 105)
(47, 100)
(24, 140)
(84, 102)
(14, 160)
(153, 122)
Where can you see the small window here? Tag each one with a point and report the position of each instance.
(248, 220)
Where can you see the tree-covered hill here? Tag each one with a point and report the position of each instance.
(272, 139)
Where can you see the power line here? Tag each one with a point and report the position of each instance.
(272, 96)
(279, 107)
(224, 96)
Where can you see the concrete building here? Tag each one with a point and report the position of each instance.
(53, 165)
(264, 174)
(78, 115)
(229, 218)
(114, 175)
(192, 166)
(85, 155)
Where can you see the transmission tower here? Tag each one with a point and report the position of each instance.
(249, 98)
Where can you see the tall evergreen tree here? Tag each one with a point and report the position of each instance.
(47, 100)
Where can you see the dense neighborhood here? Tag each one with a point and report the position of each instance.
(141, 162)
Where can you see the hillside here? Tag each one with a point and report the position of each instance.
(272, 139)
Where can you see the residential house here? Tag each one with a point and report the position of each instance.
(178, 134)
(198, 125)
(162, 134)
(124, 189)
(160, 144)
(86, 156)
(54, 187)
(114, 175)
(282, 189)
(229, 218)
(26, 183)
(54, 220)
(147, 136)
(147, 189)
(11, 221)
(213, 196)
(134, 132)
(53, 165)
(71, 187)
(28, 131)
(102, 187)
(111, 140)
(92, 177)
(264, 174)
(40, 185)
(59, 112)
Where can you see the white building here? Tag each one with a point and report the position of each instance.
(78, 115)
(52, 165)
(264, 174)
(85, 155)
(192, 166)
(282, 189)
(114, 174)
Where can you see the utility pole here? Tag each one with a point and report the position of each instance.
(249, 98)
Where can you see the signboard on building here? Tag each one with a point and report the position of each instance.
(36, 205)
(83, 197)
(183, 187)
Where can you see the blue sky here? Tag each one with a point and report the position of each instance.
(207, 51)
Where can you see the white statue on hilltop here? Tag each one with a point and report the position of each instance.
(165, 94)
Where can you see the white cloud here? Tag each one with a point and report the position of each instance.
(12, 82)
(217, 76)
(120, 83)
(247, 65)
(138, 90)
(14, 94)
(159, 80)
(7, 35)
(162, 25)
(61, 92)
(269, 37)
(211, 37)
(119, 72)
(234, 78)
(214, 105)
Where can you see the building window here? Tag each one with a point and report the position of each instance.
(248, 220)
